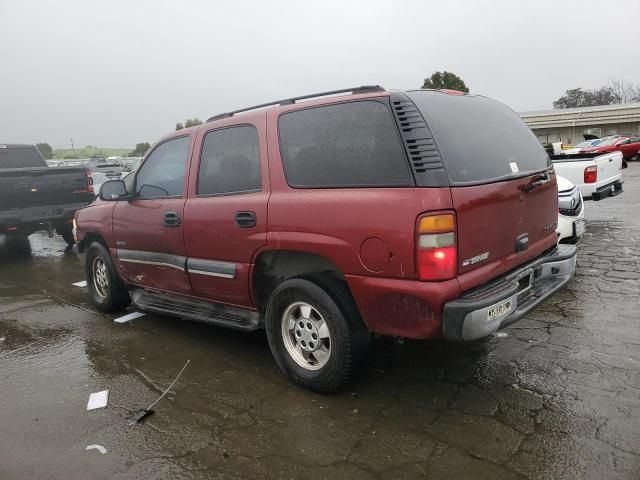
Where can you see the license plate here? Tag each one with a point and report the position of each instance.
(499, 310)
(579, 226)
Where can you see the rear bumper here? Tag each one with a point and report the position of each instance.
(610, 190)
(39, 214)
(516, 293)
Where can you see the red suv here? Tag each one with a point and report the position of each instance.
(325, 218)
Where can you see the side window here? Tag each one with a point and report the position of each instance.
(162, 174)
(353, 144)
(230, 161)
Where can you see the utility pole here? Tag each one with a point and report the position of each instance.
(73, 148)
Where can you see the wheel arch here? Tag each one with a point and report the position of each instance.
(272, 267)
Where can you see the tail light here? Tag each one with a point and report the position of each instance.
(591, 174)
(436, 252)
(88, 176)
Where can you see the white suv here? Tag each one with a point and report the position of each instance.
(571, 222)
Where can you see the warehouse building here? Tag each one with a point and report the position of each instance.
(571, 123)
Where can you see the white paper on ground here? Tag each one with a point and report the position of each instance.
(80, 284)
(100, 448)
(98, 400)
(131, 316)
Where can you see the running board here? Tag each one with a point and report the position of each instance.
(198, 310)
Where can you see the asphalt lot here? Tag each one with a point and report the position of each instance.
(558, 397)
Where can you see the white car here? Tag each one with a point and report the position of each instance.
(571, 222)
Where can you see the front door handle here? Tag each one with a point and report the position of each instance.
(171, 219)
(246, 219)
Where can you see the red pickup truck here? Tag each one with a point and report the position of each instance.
(328, 217)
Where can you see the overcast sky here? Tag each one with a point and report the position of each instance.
(118, 72)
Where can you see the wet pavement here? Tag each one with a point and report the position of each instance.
(557, 397)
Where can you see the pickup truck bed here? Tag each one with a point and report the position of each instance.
(32, 196)
(597, 175)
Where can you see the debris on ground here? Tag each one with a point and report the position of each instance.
(80, 284)
(100, 448)
(501, 335)
(98, 400)
(129, 317)
(138, 415)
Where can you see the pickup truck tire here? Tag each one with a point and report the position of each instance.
(108, 292)
(67, 234)
(315, 332)
(18, 245)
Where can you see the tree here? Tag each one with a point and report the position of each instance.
(446, 80)
(624, 92)
(179, 126)
(577, 97)
(618, 91)
(45, 150)
(140, 150)
(192, 122)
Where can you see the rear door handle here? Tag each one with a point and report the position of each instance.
(171, 219)
(246, 219)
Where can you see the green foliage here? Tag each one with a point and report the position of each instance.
(140, 150)
(45, 150)
(192, 122)
(189, 122)
(577, 97)
(94, 151)
(445, 80)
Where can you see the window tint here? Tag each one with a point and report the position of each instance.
(479, 139)
(230, 161)
(162, 174)
(27, 157)
(352, 144)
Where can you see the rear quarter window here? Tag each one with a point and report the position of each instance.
(354, 144)
(479, 139)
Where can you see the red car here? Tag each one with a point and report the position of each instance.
(628, 145)
(325, 218)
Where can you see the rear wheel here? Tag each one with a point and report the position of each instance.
(108, 292)
(315, 332)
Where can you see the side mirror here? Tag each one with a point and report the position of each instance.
(113, 190)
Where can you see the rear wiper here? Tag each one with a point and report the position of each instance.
(538, 180)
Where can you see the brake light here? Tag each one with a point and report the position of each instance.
(436, 251)
(88, 176)
(591, 174)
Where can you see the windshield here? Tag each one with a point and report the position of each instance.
(480, 139)
(589, 143)
(609, 143)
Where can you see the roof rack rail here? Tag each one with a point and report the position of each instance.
(289, 101)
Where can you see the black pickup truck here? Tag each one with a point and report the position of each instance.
(35, 197)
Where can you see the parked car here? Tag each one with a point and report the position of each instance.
(571, 221)
(34, 196)
(597, 175)
(578, 148)
(323, 220)
(628, 145)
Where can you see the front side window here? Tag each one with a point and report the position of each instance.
(230, 161)
(162, 174)
(353, 144)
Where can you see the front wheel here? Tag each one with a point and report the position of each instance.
(108, 291)
(315, 333)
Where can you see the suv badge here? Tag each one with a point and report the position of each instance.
(477, 259)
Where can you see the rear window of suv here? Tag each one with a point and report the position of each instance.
(480, 139)
(354, 144)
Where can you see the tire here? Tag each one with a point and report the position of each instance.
(107, 290)
(319, 313)
(67, 234)
(18, 245)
